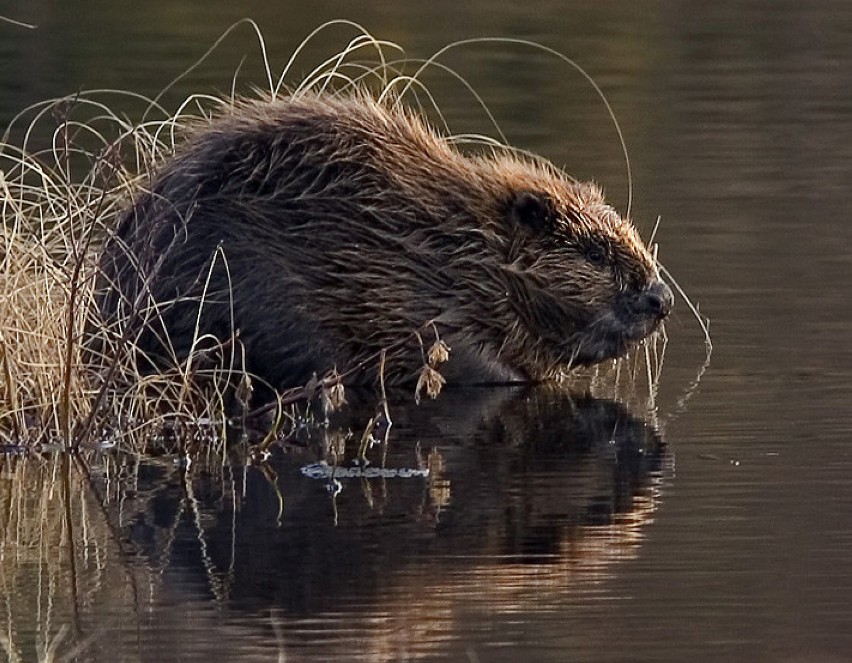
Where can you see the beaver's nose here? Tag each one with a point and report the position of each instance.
(658, 299)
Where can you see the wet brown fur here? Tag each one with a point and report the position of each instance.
(341, 225)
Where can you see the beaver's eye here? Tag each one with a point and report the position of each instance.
(595, 255)
(532, 209)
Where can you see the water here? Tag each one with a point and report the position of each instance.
(550, 528)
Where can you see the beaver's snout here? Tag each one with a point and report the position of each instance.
(642, 310)
(656, 300)
(639, 312)
(635, 315)
(652, 303)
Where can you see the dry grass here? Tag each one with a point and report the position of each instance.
(58, 200)
(72, 166)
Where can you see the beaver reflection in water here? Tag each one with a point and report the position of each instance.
(323, 229)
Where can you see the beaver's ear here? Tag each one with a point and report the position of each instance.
(532, 209)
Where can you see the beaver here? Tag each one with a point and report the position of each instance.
(321, 229)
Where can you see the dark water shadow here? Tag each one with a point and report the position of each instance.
(504, 498)
(484, 502)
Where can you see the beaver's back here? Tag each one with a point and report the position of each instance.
(289, 222)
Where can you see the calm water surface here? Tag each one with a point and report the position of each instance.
(550, 527)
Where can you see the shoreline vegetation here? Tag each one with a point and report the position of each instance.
(63, 185)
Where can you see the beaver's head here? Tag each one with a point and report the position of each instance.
(582, 284)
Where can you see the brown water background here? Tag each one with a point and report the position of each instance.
(540, 536)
